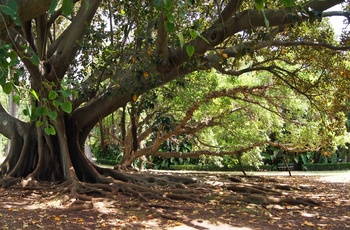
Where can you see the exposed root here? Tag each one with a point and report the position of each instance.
(257, 199)
(168, 206)
(169, 217)
(183, 197)
(147, 187)
(9, 181)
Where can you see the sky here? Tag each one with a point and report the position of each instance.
(337, 21)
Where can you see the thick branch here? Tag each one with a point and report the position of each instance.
(230, 9)
(9, 124)
(162, 40)
(20, 46)
(68, 47)
(293, 148)
(248, 19)
(207, 152)
(27, 9)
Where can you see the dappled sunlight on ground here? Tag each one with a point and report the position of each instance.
(200, 224)
(46, 208)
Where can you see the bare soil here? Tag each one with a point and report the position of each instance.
(224, 202)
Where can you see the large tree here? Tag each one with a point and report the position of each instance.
(83, 60)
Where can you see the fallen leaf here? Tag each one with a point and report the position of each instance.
(309, 224)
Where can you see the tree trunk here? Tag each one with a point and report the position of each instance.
(35, 155)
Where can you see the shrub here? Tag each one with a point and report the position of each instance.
(110, 156)
(327, 166)
(217, 168)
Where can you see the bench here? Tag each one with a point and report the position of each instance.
(283, 167)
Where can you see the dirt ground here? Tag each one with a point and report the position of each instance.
(46, 208)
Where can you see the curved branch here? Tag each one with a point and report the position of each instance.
(230, 9)
(27, 9)
(66, 50)
(162, 40)
(248, 19)
(10, 124)
(20, 45)
(207, 152)
(293, 148)
(307, 43)
(336, 13)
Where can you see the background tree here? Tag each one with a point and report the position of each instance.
(80, 68)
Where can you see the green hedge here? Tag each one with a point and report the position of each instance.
(106, 162)
(327, 166)
(217, 168)
(306, 167)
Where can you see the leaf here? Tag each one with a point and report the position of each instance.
(16, 99)
(35, 59)
(35, 95)
(309, 224)
(170, 18)
(168, 4)
(13, 5)
(158, 4)
(52, 95)
(10, 9)
(16, 20)
(67, 107)
(50, 130)
(190, 50)
(194, 34)
(38, 123)
(57, 103)
(181, 38)
(67, 7)
(260, 4)
(134, 98)
(65, 92)
(7, 87)
(87, 5)
(288, 3)
(53, 6)
(40, 111)
(53, 115)
(169, 27)
(267, 23)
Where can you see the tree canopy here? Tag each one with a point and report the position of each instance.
(80, 61)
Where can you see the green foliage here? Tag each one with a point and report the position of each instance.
(67, 106)
(49, 129)
(67, 7)
(288, 3)
(190, 50)
(7, 87)
(327, 166)
(49, 108)
(53, 6)
(168, 163)
(217, 168)
(11, 9)
(111, 155)
(181, 144)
